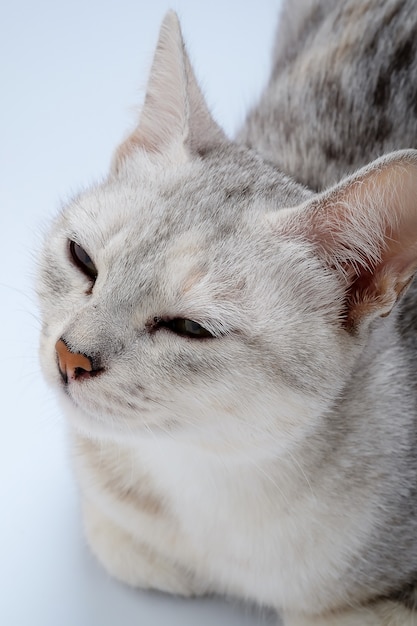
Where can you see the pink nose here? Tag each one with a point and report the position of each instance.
(72, 365)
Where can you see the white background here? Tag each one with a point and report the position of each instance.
(70, 73)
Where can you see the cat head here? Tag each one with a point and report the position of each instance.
(199, 293)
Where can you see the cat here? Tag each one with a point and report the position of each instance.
(231, 329)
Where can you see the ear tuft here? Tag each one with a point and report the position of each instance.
(174, 110)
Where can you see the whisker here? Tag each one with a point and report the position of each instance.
(21, 292)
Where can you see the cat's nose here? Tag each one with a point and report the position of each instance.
(73, 365)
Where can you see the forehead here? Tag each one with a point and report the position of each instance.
(213, 195)
(188, 217)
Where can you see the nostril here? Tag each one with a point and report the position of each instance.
(74, 365)
(79, 372)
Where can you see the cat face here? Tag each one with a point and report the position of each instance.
(190, 241)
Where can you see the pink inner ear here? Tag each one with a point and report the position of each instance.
(366, 228)
(387, 198)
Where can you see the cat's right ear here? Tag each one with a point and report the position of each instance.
(174, 111)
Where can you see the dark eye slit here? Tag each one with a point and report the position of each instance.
(82, 260)
(183, 327)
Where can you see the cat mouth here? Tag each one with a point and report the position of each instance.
(81, 390)
(91, 416)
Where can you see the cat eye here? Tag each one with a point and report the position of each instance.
(186, 328)
(82, 260)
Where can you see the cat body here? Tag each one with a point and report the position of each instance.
(345, 74)
(227, 328)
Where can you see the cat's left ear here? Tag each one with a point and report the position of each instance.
(365, 229)
(174, 111)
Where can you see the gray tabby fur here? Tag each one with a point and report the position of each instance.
(276, 461)
(343, 89)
